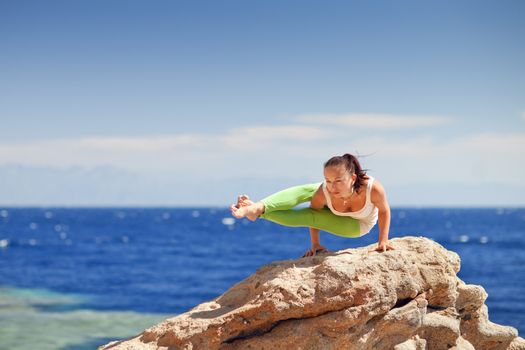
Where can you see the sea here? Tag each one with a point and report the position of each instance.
(77, 278)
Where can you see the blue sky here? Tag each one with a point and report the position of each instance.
(191, 102)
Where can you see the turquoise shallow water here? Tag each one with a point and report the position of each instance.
(44, 320)
(40, 319)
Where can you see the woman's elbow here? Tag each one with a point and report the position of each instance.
(384, 212)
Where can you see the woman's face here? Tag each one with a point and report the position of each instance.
(338, 180)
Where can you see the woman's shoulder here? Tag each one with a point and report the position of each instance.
(377, 189)
(365, 181)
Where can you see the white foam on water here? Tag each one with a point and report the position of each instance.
(48, 214)
(4, 213)
(33, 226)
(120, 214)
(483, 239)
(463, 238)
(4, 243)
(228, 221)
(195, 213)
(166, 216)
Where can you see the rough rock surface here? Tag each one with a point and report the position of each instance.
(406, 299)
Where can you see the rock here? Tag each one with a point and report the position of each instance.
(440, 329)
(462, 344)
(414, 343)
(408, 298)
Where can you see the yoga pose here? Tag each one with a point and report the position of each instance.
(348, 203)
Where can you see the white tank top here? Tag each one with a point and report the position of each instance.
(367, 215)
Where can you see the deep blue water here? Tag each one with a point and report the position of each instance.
(167, 260)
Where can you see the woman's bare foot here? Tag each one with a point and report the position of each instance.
(247, 208)
(251, 211)
(243, 201)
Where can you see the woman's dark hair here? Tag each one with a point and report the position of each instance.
(352, 165)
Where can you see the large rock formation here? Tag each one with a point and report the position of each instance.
(408, 298)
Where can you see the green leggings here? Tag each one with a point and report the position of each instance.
(278, 209)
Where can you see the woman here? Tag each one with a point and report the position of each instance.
(355, 201)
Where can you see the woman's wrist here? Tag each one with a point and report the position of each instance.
(383, 238)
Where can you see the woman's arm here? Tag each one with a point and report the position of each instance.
(378, 197)
(317, 202)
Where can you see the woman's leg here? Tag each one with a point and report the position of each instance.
(322, 219)
(277, 208)
(289, 198)
(281, 200)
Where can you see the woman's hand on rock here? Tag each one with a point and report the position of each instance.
(383, 247)
(314, 250)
